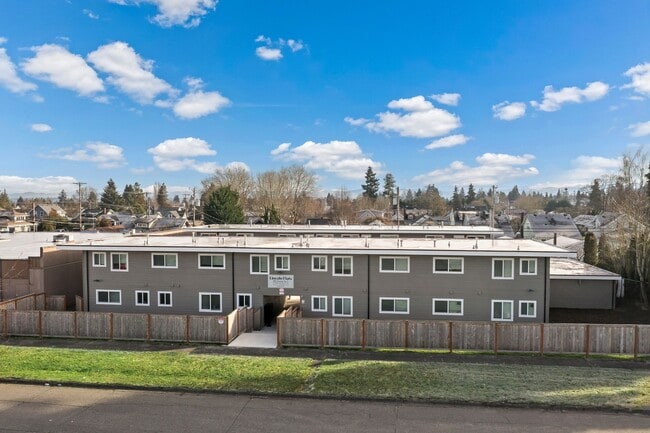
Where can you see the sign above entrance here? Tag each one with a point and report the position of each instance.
(280, 281)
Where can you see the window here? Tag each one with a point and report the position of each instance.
(342, 306)
(527, 308)
(164, 260)
(99, 260)
(210, 302)
(212, 261)
(502, 310)
(449, 307)
(319, 304)
(502, 269)
(259, 264)
(244, 300)
(342, 265)
(394, 305)
(393, 264)
(109, 297)
(319, 263)
(142, 298)
(448, 265)
(281, 263)
(528, 267)
(119, 262)
(164, 299)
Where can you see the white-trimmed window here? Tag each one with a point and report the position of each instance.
(319, 304)
(99, 260)
(120, 262)
(108, 297)
(342, 265)
(342, 306)
(528, 267)
(164, 260)
(282, 263)
(259, 264)
(502, 269)
(244, 300)
(142, 298)
(502, 310)
(210, 302)
(212, 261)
(527, 308)
(447, 307)
(319, 263)
(164, 299)
(394, 305)
(394, 264)
(448, 265)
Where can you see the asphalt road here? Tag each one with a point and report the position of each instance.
(32, 408)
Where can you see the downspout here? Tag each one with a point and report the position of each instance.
(368, 289)
(234, 297)
(547, 264)
(86, 290)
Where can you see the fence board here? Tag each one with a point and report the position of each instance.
(166, 327)
(130, 326)
(300, 332)
(94, 325)
(644, 339)
(55, 303)
(57, 324)
(472, 336)
(565, 338)
(519, 337)
(341, 332)
(208, 329)
(78, 303)
(385, 333)
(23, 323)
(611, 339)
(428, 335)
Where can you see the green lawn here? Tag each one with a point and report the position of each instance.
(587, 387)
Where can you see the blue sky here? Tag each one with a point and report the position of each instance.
(541, 94)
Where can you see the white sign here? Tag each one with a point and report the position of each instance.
(280, 281)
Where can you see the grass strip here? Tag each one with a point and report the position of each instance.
(586, 387)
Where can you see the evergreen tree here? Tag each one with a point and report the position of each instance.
(596, 197)
(389, 185)
(471, 194)
(176, 200)
(92, 199)
(222, 207)
(271, 216)
(371, 187)
(20, 202)
(456, 201)
(513, 195)
(62, 199)
(161, 196)
(5, 202)
(591, 249)
(110, 197)
(604, 253)
(461, 196)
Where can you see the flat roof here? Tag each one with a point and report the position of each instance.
(19, 246)
(572, 269)
(357, 228)
(341, 246)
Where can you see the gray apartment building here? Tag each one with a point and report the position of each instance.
(373, 278)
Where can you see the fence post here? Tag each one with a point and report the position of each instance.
(76, 333)
(496, 338)
(363, 334)
(636, 339)
(450, 337)
(40, 323)
(148, 327)
(187, 328)
(6, 324)
(110, 326)
(227, 333)
(322, 333)
(278, 341)
(406, 334)
(587, 329)
(541, 339)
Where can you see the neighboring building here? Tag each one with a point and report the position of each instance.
(14, 222)
(594, 223)
(42, 211)
(411, 278)
(575, 284)
(367, 216)
(574, 245)
(546, 226)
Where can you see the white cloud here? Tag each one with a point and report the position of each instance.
(90, 14)
(8, 75)
(421, 120)
(639, 129)
(129, 72)
(640, 75)
(186, 13)
(105, 155)
(509, 110)
(266, 53)
(39, 185)
(449, 141)
(356, 122)
(447, 98)
(295, 45)
(554, 99)
(491, 169)
(199, 104)
(344, 159)
(41, 127)
(55, 64)
(584, 169)
(181, 153)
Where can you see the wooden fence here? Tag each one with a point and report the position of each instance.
(456, 336)
(141, 327)
(35, 301)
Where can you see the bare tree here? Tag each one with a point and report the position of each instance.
(237, 177)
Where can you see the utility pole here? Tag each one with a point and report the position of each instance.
(80, 222)
(398, 213)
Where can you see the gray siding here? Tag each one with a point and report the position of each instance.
(589, 294)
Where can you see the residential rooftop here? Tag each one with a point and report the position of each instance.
(567, 269)
(19, 246)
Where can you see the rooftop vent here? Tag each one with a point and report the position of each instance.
(62, 238)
